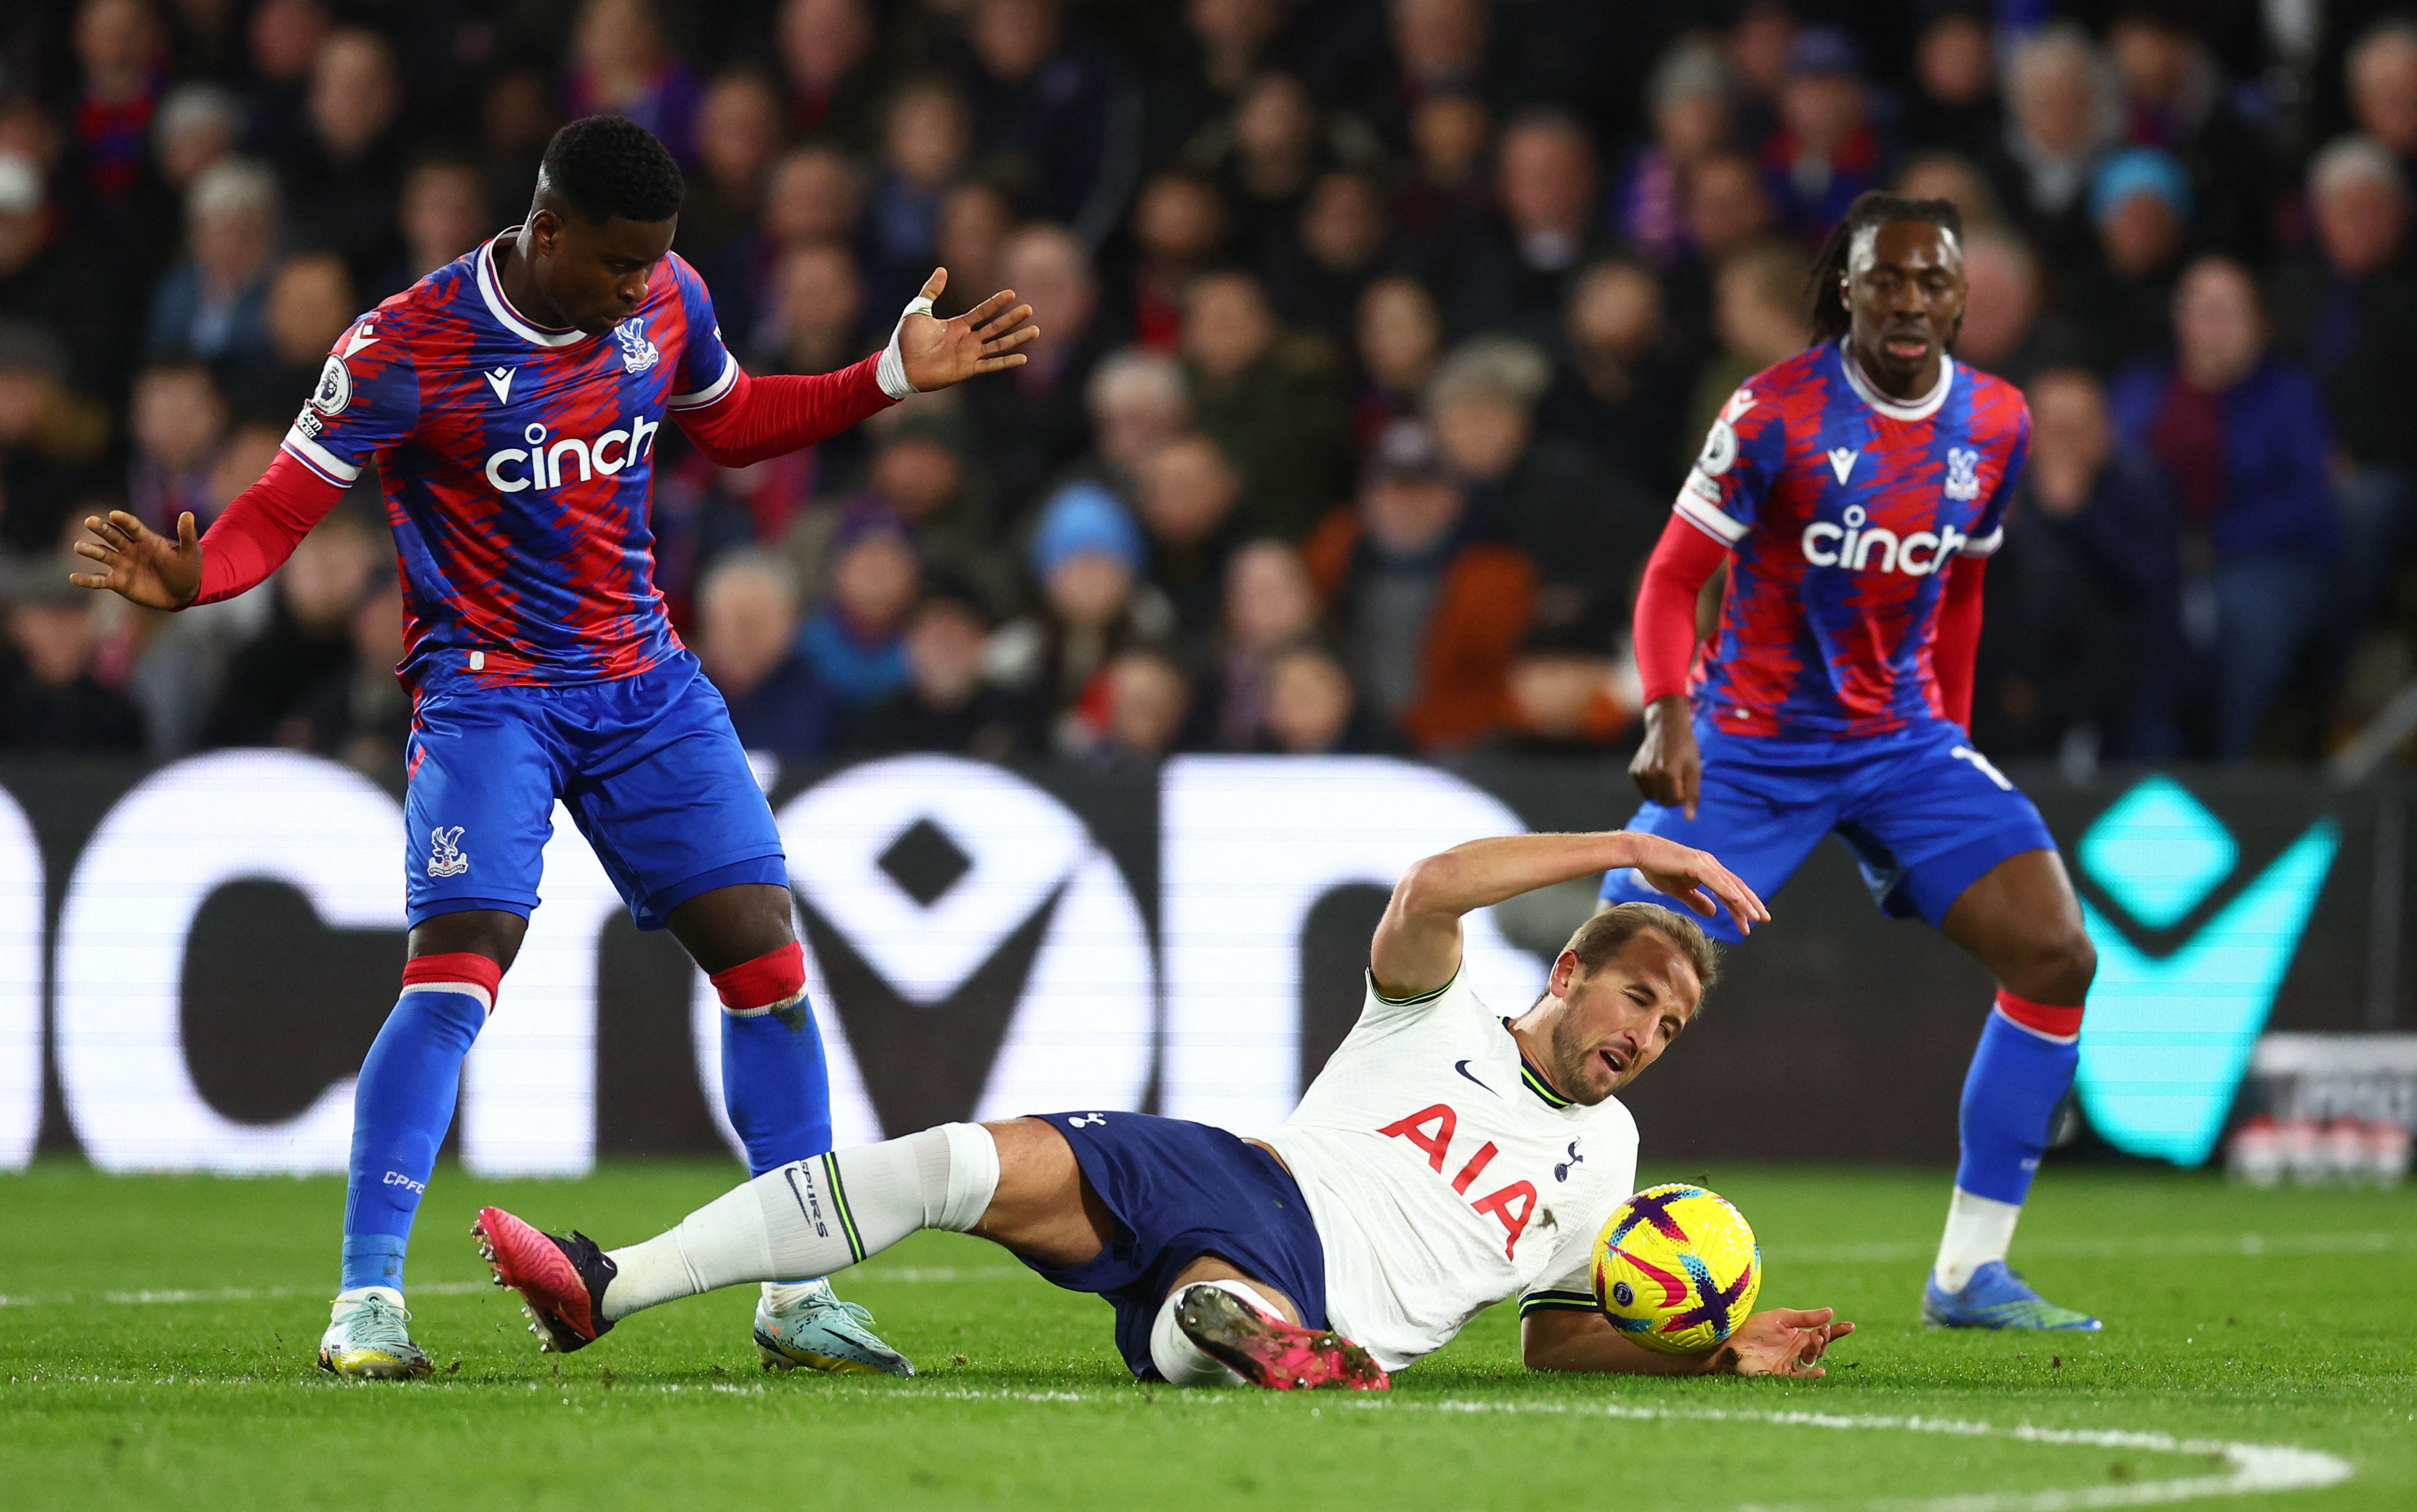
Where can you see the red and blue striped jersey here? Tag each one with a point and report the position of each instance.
(1841, 509)
(517, 462)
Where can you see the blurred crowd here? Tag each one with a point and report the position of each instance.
(1375, 337)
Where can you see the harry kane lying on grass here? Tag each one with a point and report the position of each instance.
(1445, 1159)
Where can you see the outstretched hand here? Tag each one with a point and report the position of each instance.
(143, 567)
(1780, 1341)
(1688, 876)
(937, 353)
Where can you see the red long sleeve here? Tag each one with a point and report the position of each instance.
(1958, 640)
(261, 528)
(760, 419)
(1683, 560)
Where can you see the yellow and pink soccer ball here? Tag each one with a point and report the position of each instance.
(1677, 1268)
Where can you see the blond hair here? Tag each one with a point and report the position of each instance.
(1605, 935)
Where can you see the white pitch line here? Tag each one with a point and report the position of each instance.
(901, 1275)
(2239, 1246)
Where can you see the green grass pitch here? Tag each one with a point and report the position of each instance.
(157, 1339)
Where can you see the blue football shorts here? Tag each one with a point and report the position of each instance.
(1925, 815)
(648, 766)
(1179, 1190)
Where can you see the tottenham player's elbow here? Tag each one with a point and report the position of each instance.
(1432, 885)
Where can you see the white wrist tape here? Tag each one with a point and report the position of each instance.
(890, 371)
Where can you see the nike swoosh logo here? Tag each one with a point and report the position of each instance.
(1462, 1067)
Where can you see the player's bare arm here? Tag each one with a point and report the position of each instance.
(1417, 947)
(139, 564)
(1775, 1341)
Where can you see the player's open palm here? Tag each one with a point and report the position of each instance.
(140, 564)
(1689, 875)
(1780, 1341)
(937, 353)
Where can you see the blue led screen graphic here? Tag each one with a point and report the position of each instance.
(2167, 1037)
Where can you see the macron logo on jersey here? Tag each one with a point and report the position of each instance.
(540, 465)
(500, 380)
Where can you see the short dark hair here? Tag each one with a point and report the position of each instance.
(609, 165)
(1872, 209)
(1606, 935)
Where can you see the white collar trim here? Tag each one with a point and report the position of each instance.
(491, 288)
(1921, 409)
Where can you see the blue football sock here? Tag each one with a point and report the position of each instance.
(775, 1086)
(2010, 1094)
(401, 1110)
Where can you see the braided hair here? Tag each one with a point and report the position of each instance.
(1870, 210)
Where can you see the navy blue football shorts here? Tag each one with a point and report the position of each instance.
(1179, 1190)
(648, 766)
(1925, 814)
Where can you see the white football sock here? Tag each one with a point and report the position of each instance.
(1184, 1363)
(1979, 1230)
(812, 1218)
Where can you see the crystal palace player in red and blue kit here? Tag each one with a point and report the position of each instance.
(1855, 492)
(511, 403)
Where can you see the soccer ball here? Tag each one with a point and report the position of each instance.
(1676, 1269)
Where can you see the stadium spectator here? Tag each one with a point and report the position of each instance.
(1517, 276)
(1138, 402)
(976, 219)
(1426, 617)
(2348, 312)
(1268, 604)
(812, 199)
(1757, 48)
(817, 322)
(50, 441)
(309, 304)
(926, 139)
(1563, 701)
(1440, 46)
(213, 303)
(1688, 98)
(738, 129)
(1825, 150)
(621, 63)
(1029, 426)
(281, 41)
(1729, 212)
(1313, 710)
(49, 280)
(1149, 701)
(1617, 388)
(2381, 70)
(1399, 340)
(517, 116)
(1317, 277)
(2174, 99)
(2081, 652)
(1953, 107)
(308, 638)
(2141, 204)
(122, 50)
(1054, 114)
(1270, 400)
(178, 418)
(2005, 331)
(1448, 197)
(444, 215)
(1087, 557)
(1178, 224)
(2062, 115)
(1567, 508)
(359, 713)
(50, 699)
(1188, 490)
(2244, 436)
(1959, 180)
(747, 637)
(948, 703)
(856, 642)
(1263, 160)
(919, 478)
(198, 126)
(1224, 47)
(340, 188)
(828, 61)
(1759, 315)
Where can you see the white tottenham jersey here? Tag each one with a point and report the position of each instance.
(1445, 1175)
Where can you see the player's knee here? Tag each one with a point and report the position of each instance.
(493, 932)
(2057, 966)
